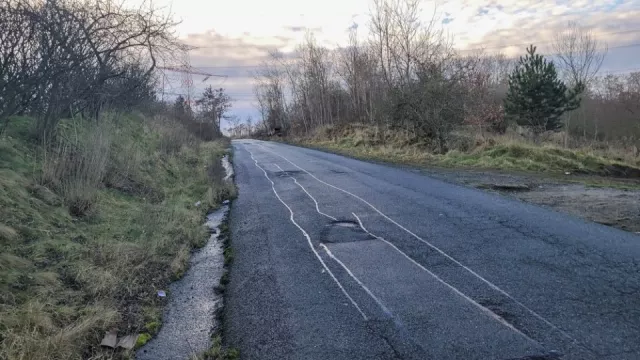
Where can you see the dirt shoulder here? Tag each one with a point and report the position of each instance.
(609, 202)
(605, 200)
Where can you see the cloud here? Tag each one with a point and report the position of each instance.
(524, 21)
(497, 26)
(297, 29)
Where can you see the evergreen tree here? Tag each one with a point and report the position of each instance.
(537, 97)
(214, 103)
(181, 108)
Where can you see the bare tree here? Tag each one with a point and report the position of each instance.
(63, 57)
(270, 90)
(580, 56)
(249, 124)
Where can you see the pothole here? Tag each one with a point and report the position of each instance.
(497, 308)
(287, 173)
(343, 231)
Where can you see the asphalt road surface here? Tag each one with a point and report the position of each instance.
(342, 259)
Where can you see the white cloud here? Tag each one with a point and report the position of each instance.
(235, 36)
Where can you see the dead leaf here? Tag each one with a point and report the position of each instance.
(110, 339)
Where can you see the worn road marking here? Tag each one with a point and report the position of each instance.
(449, 257)
(451, 287)
(306, 235)
(362, 285)
(312, 198)
(375, 298)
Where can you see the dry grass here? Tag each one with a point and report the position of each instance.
(7, 233)
(65, 280)
(75, 165)
(511, 151)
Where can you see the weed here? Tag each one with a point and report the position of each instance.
(218, 352)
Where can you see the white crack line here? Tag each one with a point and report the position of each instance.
(312, 198)
(478, 276)
(306, 235)
(374, 297)
(326, 249)
(495, 316)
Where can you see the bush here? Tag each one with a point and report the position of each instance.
(75, 165)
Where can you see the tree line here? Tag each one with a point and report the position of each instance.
(61, 58)
(67, 58)
(407, 77)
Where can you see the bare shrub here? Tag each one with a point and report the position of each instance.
(63, 58)
(173, 135)
(75, 166)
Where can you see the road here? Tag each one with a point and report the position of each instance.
(336, 258)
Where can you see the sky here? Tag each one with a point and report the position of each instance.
(235, 36)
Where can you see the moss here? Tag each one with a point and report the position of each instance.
(153, 327)
(143, 339)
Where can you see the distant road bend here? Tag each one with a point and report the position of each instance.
(342, 259)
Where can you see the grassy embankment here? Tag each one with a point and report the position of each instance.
(503, 152)
(92, 225)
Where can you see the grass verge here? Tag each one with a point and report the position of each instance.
(497, 152)
(92, 225)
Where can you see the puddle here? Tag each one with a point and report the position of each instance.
(226, 164)
(190, 316)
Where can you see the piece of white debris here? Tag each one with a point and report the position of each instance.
(162, 293)
(567, 173)
(128, 342)
(226, 202)
(198, 203)
(110, 339)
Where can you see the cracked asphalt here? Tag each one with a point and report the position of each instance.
(336, 258)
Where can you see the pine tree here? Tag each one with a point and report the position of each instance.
(537, 97)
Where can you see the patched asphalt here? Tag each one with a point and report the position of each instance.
(354, 260)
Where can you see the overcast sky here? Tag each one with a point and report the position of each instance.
(234, 36)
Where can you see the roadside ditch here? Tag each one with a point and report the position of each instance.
(191, 323)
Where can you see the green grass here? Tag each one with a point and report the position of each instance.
(218, 352)
(65, 280)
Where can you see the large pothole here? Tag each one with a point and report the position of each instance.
(343, 231)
